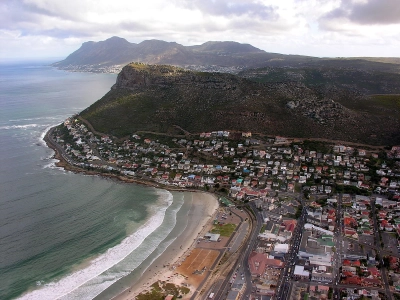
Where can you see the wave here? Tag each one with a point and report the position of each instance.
(56, 117)
(154, 245)
(26, 126)
(43, 134)
(52, 165)
(105, 261)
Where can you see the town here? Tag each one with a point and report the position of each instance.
(327, 215)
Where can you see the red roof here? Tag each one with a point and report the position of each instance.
(323, 288)
(346, 262)
(353, 280)
(257, 263)
(371, 281)
(349, 221)
(274, 263)
(290, 225)
(384, 223)
(356, 263)
(374, 271)
(348, 231)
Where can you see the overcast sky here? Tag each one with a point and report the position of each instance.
(325, 28)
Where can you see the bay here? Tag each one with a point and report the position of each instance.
(65, 235)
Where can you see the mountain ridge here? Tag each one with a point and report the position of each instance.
(158, 98)
(228, 56)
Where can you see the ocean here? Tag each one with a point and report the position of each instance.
(65, 235)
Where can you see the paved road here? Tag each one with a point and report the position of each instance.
(337, 256)
(253, 241)
(283, 291)
(380, 251)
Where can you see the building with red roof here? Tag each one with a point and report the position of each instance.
(352, 280)
(374, 271)
(258, 262)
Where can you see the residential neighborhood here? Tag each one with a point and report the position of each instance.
(328, 213)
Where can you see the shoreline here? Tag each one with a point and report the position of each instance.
(204, 205)
(62, 163)
(163, 268)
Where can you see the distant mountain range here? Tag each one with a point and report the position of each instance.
(118, 51)
(232, 57)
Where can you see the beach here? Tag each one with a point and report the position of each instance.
(199, 221)
(203, 208)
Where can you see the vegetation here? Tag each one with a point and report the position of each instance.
(298, 211)
(163, 99)
(224, 230)
(379, 82)
(161, 289)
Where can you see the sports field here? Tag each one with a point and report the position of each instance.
(197, 265)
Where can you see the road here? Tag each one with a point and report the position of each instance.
(253, 241)
(221, 287)
(283, 291)
(337, 256)
(241, 267)
(380, 252)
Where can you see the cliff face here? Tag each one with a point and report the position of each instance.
(158, 98)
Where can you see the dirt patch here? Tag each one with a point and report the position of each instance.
(197, 265)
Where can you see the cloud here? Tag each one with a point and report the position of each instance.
(376, 12)
(232, 8)
(363, 12)
(287, 26)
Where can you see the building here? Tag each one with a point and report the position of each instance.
(300, 273)
(258, 263)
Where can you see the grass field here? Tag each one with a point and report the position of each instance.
(224, 230)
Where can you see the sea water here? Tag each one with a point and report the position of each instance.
(66, 235)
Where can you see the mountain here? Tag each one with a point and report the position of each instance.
(160, 98)
(227, 57)
(109, 52)
(118, 51)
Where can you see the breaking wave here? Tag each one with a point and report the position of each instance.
(105, 261)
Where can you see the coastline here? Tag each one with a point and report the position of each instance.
(203, 207)
(63, 163)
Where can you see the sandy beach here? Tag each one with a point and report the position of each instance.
(203, 207)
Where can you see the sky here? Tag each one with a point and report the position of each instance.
(322, 28)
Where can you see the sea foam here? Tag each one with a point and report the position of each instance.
(25, 126)
(155, 244)
(65, 286)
